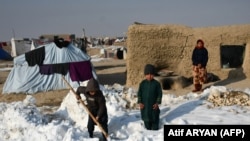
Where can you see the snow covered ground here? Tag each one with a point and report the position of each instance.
(23, 121)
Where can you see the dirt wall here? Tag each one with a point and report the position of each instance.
(170, 47)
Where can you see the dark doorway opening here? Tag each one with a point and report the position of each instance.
(232, 56)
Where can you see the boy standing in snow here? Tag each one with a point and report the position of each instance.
(149, 97)
(96, 104)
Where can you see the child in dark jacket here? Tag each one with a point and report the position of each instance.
(149, 97)
(96, 104)
(199, 61)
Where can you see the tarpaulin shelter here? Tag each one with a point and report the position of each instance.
(4, 55)
(42, 69)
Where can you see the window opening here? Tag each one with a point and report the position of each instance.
(232, 56)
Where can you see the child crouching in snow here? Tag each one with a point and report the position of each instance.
(96, 104)
(149, 96)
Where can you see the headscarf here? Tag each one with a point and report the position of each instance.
(202, 42)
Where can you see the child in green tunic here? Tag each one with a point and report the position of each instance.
(149, 97)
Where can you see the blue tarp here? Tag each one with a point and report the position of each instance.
(4, 55)
(26, 79)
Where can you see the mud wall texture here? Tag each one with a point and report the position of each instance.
(170, 47)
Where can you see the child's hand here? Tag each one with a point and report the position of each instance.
(155, 106)
(141, 106)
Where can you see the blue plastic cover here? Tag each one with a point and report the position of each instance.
(4, 55)
(26, 79)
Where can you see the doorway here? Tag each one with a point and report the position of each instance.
(232, 56)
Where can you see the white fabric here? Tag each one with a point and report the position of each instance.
(26, 79)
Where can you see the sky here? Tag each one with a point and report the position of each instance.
(98, 18)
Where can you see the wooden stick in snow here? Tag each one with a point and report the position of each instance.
(86, 108)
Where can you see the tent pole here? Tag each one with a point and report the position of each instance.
(86, 108)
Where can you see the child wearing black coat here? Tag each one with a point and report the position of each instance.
(96, 104)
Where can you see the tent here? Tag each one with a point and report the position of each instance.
(4, 55)
(42, 69)
(20, 46)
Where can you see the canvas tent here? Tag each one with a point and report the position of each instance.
(20, 46)
(42, 69)
(4, 55)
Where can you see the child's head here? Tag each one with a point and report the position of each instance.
(149, 71)
(92, 86)
(200, 43)
(149, 77)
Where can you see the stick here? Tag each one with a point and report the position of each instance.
(86, 108)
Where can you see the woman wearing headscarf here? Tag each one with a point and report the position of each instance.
(199, 61)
